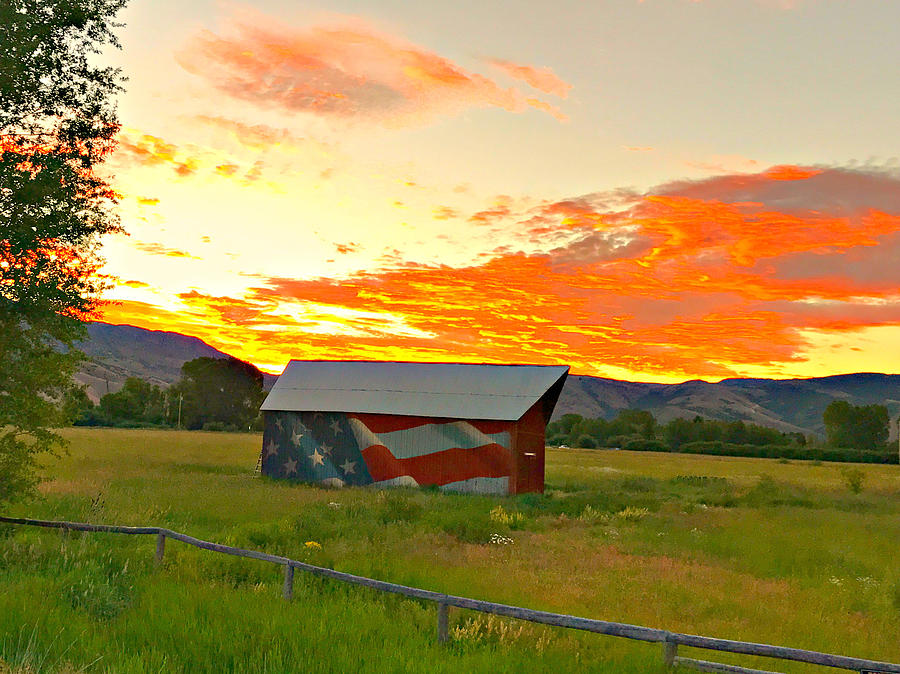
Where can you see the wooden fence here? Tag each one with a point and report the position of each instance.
(670, 640)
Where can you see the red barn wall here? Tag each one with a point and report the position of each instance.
(528, 451)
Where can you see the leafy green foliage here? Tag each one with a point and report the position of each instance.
(57, 124)
(136, 401)
(859, 427)
(639, 430)
(76, 404)
(218, 393)
(854, 478)
(856, 434)
(214, 395)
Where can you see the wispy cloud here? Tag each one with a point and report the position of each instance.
(349, 69)
(542, 79)
(159, 249)
(138, 149)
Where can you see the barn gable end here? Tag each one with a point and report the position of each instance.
(461, 427)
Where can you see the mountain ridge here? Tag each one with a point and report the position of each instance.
(115, 352)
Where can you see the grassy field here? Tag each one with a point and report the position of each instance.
(751, 549)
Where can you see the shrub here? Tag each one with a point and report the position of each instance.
(218, 426)
(586, 442)
(644, 445)
(768, 492)
(699, 480)
(844, 454)
(854, 478)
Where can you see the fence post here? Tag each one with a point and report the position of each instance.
(442, 634)
(160, 547)
(288, 590)
(670, 650)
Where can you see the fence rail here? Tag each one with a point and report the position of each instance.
(669, 640)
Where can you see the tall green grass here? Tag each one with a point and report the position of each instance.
(745, 549)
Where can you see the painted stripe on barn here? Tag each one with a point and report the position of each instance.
(451, 465)
(426, 438)
(402, 481)
(479, 485)
(381, 423)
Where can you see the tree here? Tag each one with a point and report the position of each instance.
(635, 422)
(219, 392)
(865, 427)
(76, 406)
(678, 432)
(57, 124)
(138, 401)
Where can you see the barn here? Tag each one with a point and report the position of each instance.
(459, 426)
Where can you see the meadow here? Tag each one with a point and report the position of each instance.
(790, 553)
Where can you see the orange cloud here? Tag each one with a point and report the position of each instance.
(146, 149)
(147, 201)
(791, 172)
(444, 213)
(226, 169)
(253, 136)
(344, 248)
(143, 149)
(544, 106)
(692, 279)
(262, 137)
(159, 249)
(349, 70)
(542, 79)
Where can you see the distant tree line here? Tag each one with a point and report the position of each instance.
(214, 394)
(853, 433)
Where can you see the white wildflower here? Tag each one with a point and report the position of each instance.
(500, 539)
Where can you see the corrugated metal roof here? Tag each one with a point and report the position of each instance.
(451, 390)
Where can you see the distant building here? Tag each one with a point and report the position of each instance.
(477, 428)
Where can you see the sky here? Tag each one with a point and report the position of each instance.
(651, 190)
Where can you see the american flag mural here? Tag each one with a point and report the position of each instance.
(458, 426)
(337, 449)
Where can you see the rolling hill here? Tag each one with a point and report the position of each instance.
(119, 351)
(792, 405)
(116, 352)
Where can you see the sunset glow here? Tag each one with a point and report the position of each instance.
(403, 184)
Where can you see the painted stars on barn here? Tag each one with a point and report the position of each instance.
(312, 447)
(290, 467)
(271, 449)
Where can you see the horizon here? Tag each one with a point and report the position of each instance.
(656, 191)
(571, 373)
